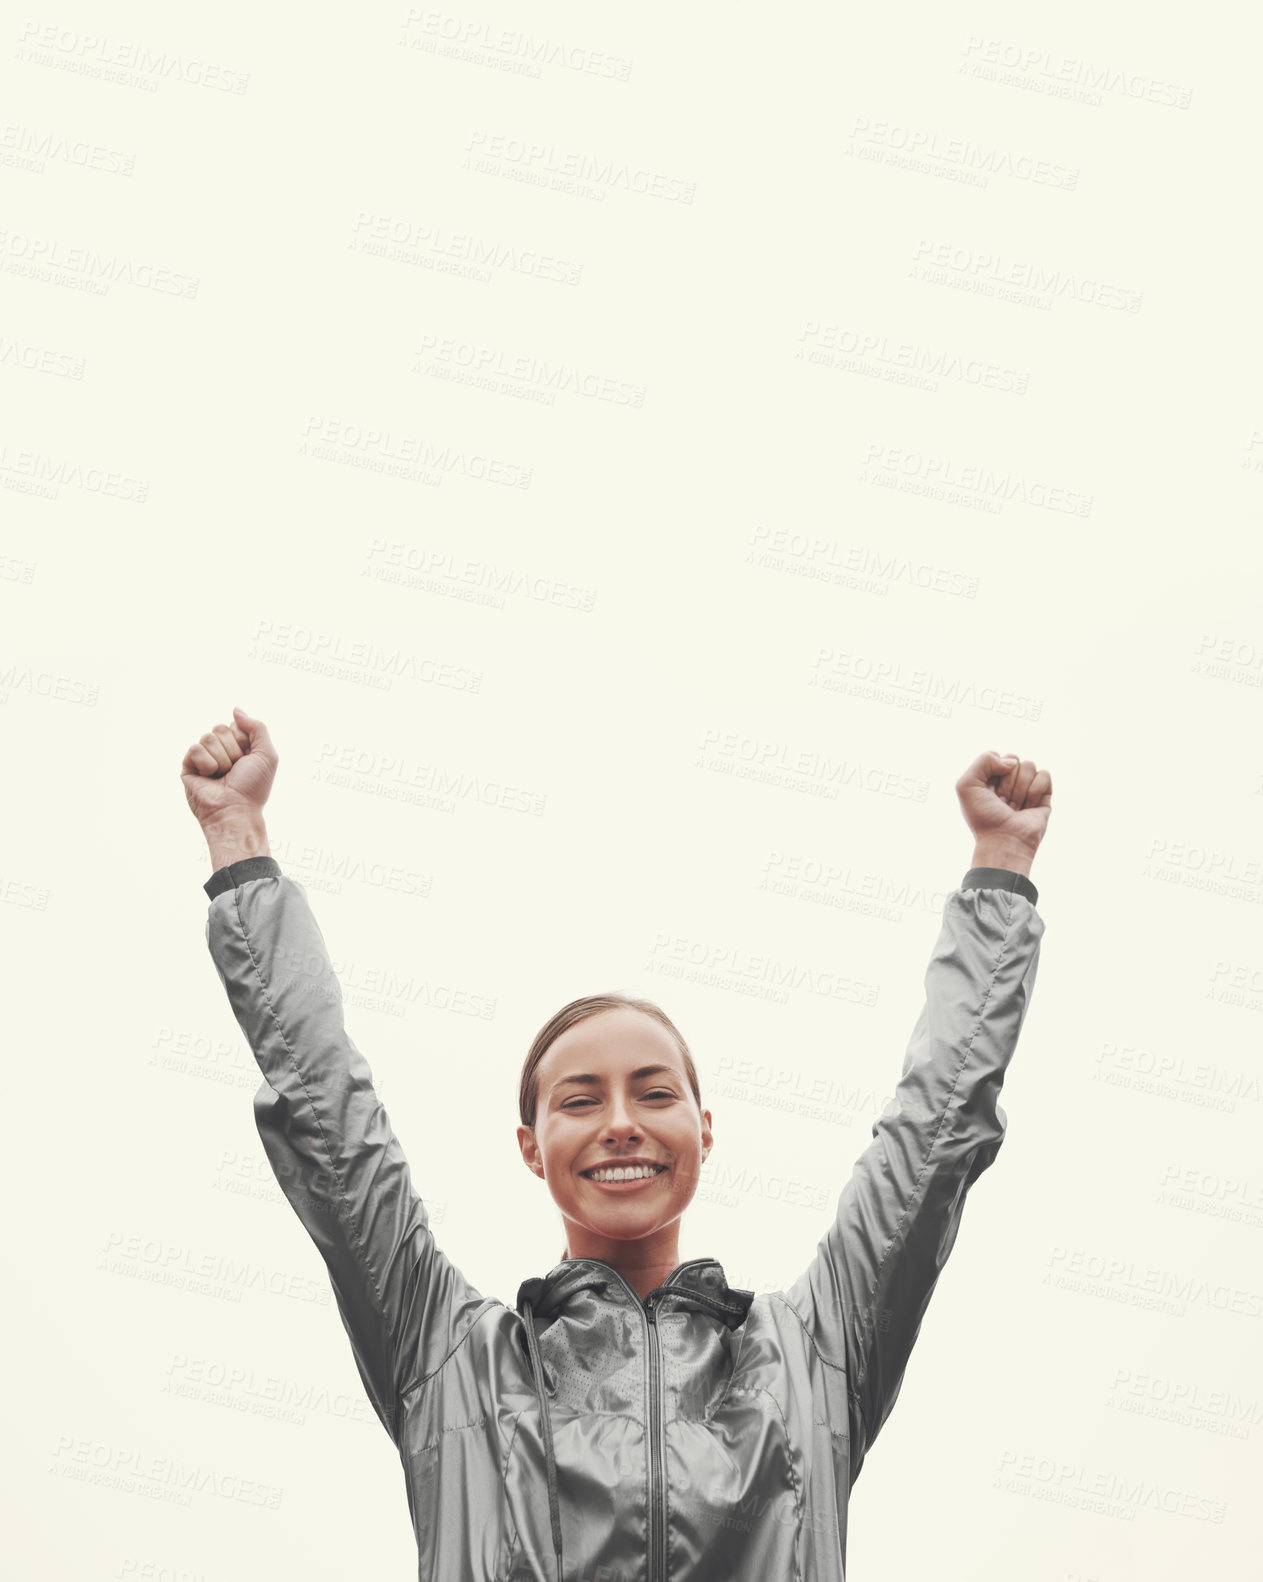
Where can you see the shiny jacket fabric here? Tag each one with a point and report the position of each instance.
(706, 1434)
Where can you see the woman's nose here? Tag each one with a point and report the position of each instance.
(620, 1121)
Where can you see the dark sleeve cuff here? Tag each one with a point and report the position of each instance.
(235, 873)
(1000, 879)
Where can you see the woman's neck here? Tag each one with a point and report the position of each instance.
(644, 1264)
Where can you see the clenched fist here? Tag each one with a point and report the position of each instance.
(1007, 803)
(228, 774)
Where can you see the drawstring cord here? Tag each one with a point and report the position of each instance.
(532, 1342)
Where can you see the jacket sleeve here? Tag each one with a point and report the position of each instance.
(328, 1137)
(866, 1291)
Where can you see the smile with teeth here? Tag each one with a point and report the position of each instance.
(623, 1173)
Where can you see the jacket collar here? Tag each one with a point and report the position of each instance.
(698, 1282)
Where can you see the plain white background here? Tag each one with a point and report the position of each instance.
(570, 414)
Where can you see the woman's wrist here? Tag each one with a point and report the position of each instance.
(234, 837)
(996, 854)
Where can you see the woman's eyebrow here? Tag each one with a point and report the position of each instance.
(640, 1071)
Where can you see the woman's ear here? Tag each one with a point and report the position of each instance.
(530, 1150)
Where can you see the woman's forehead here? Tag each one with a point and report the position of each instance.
(611, 1043)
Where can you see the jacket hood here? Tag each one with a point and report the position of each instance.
(700, 1282)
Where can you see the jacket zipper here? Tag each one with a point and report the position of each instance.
(657, 1447)
(657, 1513)
(657, 1432)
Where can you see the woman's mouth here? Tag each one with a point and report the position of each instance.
(633, 1185)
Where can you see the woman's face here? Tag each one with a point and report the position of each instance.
(622, 1111)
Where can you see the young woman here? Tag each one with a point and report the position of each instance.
(632, 1418)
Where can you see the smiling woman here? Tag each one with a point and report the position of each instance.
(629, 1416)
(586, 1104)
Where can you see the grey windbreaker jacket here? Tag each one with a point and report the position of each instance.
(704, 1434)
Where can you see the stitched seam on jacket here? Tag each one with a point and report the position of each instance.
(487, 1304)
(504, 1495)
(852, 1394)
(1002, 950)
(736, 1363)
(456, 1428)
(759, 1389)
(504, 1470)
(298, 1072)
(610, 1417)
(356, 1235)
(839, 1367)
(852, 1386)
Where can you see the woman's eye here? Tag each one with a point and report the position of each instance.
(659, 1093)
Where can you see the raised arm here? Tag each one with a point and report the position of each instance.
(329, 1140)
(866, 1291)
